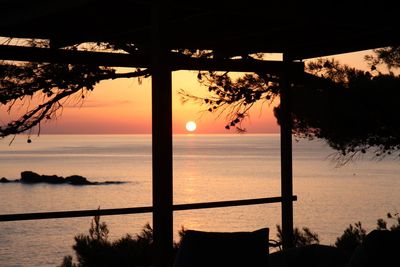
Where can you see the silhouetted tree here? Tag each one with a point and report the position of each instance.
(353, 110)
(42, 89)
(356, 113)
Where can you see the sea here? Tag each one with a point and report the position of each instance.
(331, 196)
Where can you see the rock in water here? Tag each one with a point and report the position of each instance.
(4, 180)
(77, 180)
(30, 177)
(52, 179)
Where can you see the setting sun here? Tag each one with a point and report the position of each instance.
(191, 126)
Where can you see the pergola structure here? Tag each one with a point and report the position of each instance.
(156, 30)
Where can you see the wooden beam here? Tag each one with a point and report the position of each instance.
(286, 160)
(235, 65)
(177, 62)
(136, 210)
(161, 141)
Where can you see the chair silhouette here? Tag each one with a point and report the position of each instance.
(219, 249)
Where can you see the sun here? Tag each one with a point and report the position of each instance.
(191, 126)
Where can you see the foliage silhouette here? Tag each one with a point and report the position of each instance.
(43, 89)
(353, 110)
(353, 236)
(355, 114)
(95, 249)
(301, 237)
(382, 224)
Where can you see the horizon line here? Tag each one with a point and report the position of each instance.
(188, 134)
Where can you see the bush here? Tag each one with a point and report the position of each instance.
(94, 249)
(301, 237)
(352, 237)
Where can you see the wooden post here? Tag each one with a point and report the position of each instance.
(286, 160)
(161, 141)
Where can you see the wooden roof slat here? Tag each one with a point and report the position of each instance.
(302, 28)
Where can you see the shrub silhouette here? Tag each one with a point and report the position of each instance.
(301, 237)
(353, 236)
(94, 249)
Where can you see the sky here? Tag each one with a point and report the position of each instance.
(123, 106)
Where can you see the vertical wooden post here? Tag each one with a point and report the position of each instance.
(161, 140)
(286, 159)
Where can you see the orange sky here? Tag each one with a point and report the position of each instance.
(124, 107)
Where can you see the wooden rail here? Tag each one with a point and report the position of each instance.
(137, 210)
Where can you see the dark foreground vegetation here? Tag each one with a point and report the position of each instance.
(95, 248)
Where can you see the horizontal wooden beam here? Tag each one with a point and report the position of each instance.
(236, 65)
(177, 62)
(230, 203)
(137, 210)
(72, 214)
(50, 55)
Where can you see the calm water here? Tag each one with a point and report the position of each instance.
(206, 168)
